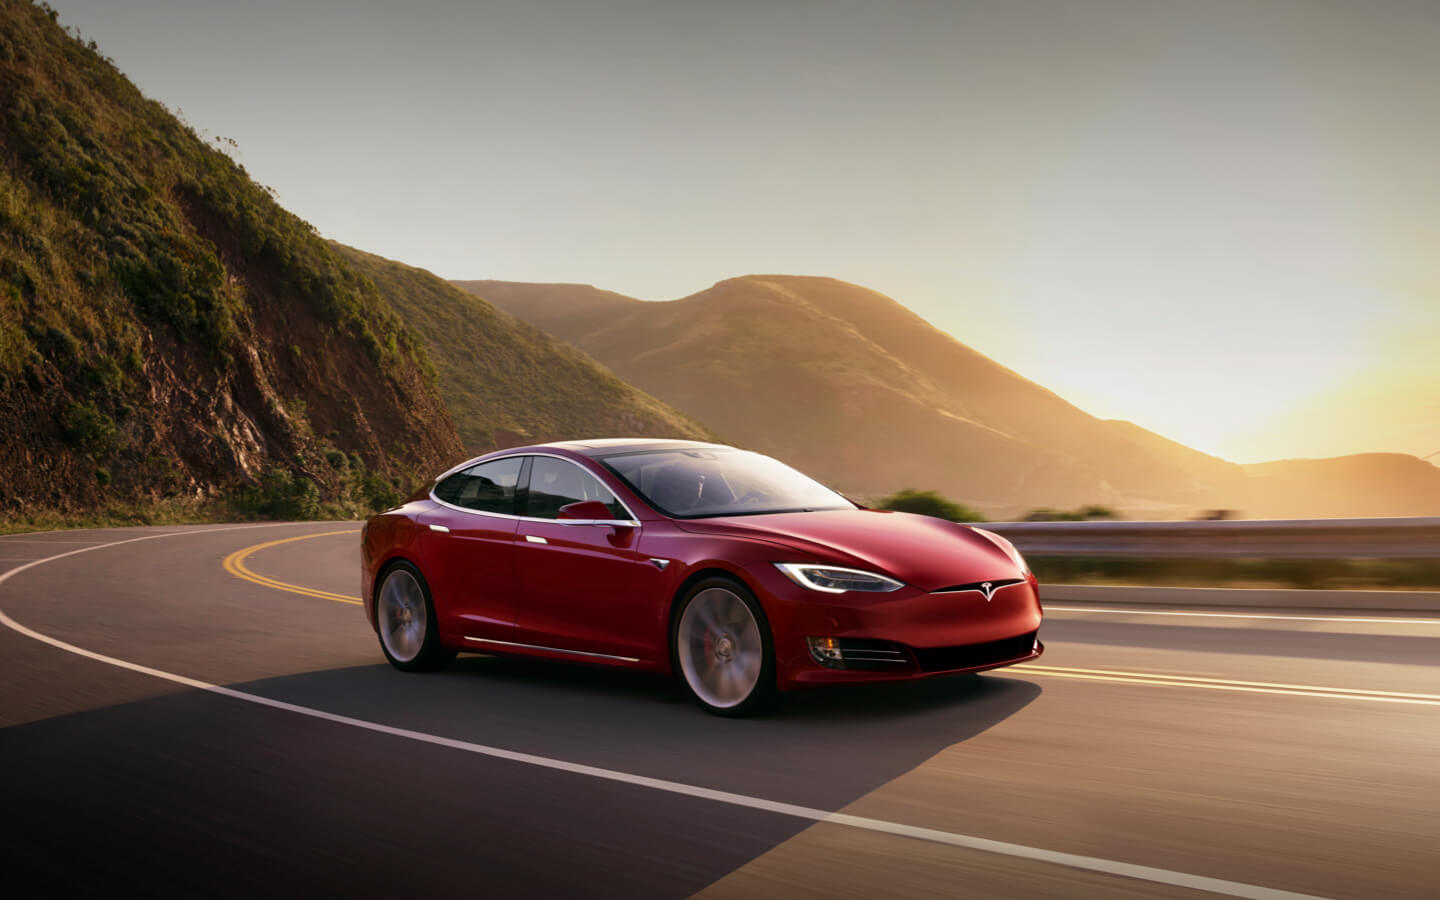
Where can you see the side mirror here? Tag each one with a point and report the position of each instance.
(587, 509)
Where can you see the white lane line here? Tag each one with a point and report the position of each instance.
(97, 542)
(1049, 607)
(1072, 860)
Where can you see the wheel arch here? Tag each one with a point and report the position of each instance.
(372, 602)
(712, 569)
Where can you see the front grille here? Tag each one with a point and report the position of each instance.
(970, 656)
(979, 586)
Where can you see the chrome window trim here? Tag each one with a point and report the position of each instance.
(631, 522)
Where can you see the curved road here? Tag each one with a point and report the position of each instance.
(203, 711)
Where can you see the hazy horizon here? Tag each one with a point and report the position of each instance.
(1215, 221)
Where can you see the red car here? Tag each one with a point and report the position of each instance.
(728, 568)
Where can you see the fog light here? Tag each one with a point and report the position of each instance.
(826, 652)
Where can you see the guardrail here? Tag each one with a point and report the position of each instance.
(1398, 538)
(1249, 598)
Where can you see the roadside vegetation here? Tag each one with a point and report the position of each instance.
(278, 494)
(933, 503)
(1081, 514)
(929, 503)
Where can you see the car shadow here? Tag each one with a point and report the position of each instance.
(189, 794)
(819, 747)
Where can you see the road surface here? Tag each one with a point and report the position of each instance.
(203, 711)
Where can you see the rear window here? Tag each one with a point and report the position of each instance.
(487, 487)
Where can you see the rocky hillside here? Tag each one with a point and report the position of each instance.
(505, 381)
(849, 384)
(166, 329)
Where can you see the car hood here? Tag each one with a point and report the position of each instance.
(922, 551)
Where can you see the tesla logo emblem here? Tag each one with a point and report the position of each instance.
(988, 589)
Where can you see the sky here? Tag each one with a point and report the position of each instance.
(1217, 220)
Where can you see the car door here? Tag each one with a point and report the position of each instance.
(468, 551)
(584, 586)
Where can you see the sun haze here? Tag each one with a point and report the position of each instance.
(1216, 220)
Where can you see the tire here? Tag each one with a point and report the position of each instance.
(405, 621)
(721, 648)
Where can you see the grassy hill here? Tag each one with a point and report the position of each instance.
(167, 331)
(505, 381)
(847, 383)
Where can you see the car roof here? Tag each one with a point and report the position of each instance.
(603, 446)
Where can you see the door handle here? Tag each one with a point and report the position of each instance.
(440, 528)
(535, 539)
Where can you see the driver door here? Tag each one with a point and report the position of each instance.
(585, 588)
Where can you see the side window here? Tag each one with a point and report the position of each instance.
(555, 483)
(488, 487)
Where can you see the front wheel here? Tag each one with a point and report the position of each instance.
(405, 620)
(721, 648)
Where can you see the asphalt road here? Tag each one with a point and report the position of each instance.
(1276, 754)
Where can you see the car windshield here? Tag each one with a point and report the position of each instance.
(693, 484)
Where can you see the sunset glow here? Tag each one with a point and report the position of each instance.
(1206, 219)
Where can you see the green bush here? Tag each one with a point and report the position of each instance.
(929, 503)
(1082, 514)
(379, 493)
(281, 495)
(88, 428)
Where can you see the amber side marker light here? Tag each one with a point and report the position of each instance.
(826, 651)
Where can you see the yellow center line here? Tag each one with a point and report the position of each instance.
(235, 565)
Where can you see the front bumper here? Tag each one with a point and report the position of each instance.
(896, 636)
(867, 661)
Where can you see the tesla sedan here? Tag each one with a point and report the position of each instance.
(732, 571)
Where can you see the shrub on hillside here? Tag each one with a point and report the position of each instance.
(929, 503)
(379, 493)
(88, 428)
(281, 495)
(1082, 514)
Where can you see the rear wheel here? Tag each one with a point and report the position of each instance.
(721, 648)
(405, 620)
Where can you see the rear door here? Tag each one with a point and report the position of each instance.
(468, 550)
(584, 587)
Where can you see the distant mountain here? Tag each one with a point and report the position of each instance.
(1212, 479)
(852, 386)
(1365, 484)
(584, 306)
(505, 381)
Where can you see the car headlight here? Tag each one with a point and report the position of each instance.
(837, 579)
(1009, 548)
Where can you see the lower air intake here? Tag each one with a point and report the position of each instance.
(970, 656)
